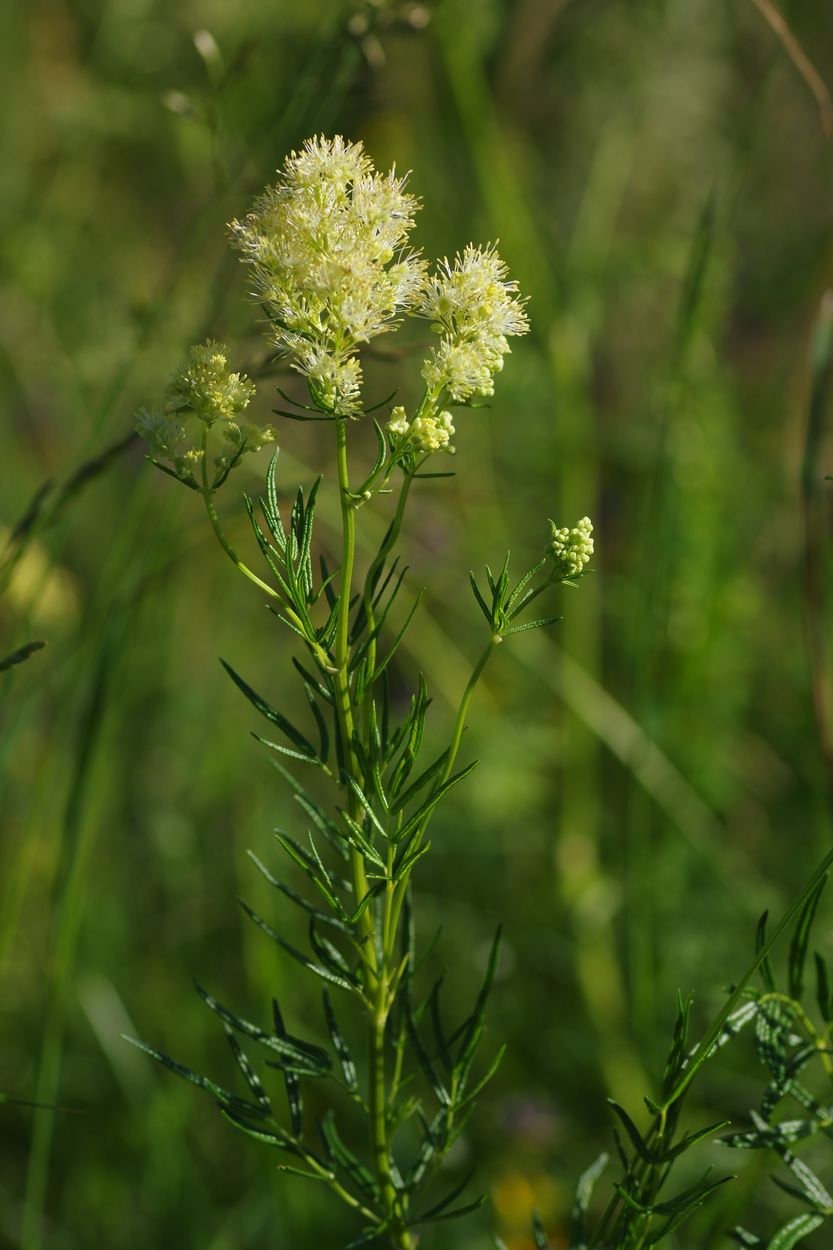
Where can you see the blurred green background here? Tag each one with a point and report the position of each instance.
(658, 175)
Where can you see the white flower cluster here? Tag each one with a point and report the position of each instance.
(327, 245)
(475, 308)
(428, 432)
(572, 548)
(206, 389)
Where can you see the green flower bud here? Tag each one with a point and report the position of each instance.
(572, 548)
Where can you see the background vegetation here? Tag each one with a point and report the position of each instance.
(659, 177)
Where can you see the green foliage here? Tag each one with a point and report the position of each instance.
(789, 1043)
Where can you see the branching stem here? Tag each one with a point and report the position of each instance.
(218, 529)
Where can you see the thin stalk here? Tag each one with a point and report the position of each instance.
(218, 529)
(344, 705)
(462, 711)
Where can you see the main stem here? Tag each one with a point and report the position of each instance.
(376, 963)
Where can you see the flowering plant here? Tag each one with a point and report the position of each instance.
(330, 263)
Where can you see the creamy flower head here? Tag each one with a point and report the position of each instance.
(429, 431)
(433, 433)
(572, 548)
(475, 308)
(327, 246)
(206, 389)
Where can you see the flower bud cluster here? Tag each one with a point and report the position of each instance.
(426, 433)
(207, 387)
(475, 308)
(327, 246)
(572, 548)
(209, 391)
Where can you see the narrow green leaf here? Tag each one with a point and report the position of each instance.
(361, 1176)
(472, 1025)
(539, 1236)
(512, 601)
(318, 817)
(270, 1137)
(484, 607)
(251, 1077)
(296, 853)
(765, 969)
(274, 512)
(686, 1201)
(365, 802)
(21, 654)
(744, 1238)
(257, 701)
(419, 817)
(359, 840)
(368, 1234)
(295, 897)
(406, 859)
(539, 624)
(422, 780)
(800, 939)
(486, 1078)
(318, 969)
(581, 1203)
(436, 1023)
(312, 1060)
(424, 1059)
(323, 731)
(293, 1084)
(456, 1214)
(636, 1138)
(380, 668)
(691, 1140)
(348, 1067)
(294, 755)
(680, 1216)
(372, 893)
(187, 1074)
(330, 956)
(795, 1230)
(434, 1135)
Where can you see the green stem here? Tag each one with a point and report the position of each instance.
(218, 529)
(377, 965)
(462, 711)
(341, 679)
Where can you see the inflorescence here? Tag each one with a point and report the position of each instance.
(572, 548)
(208, 390)
(327, 247)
